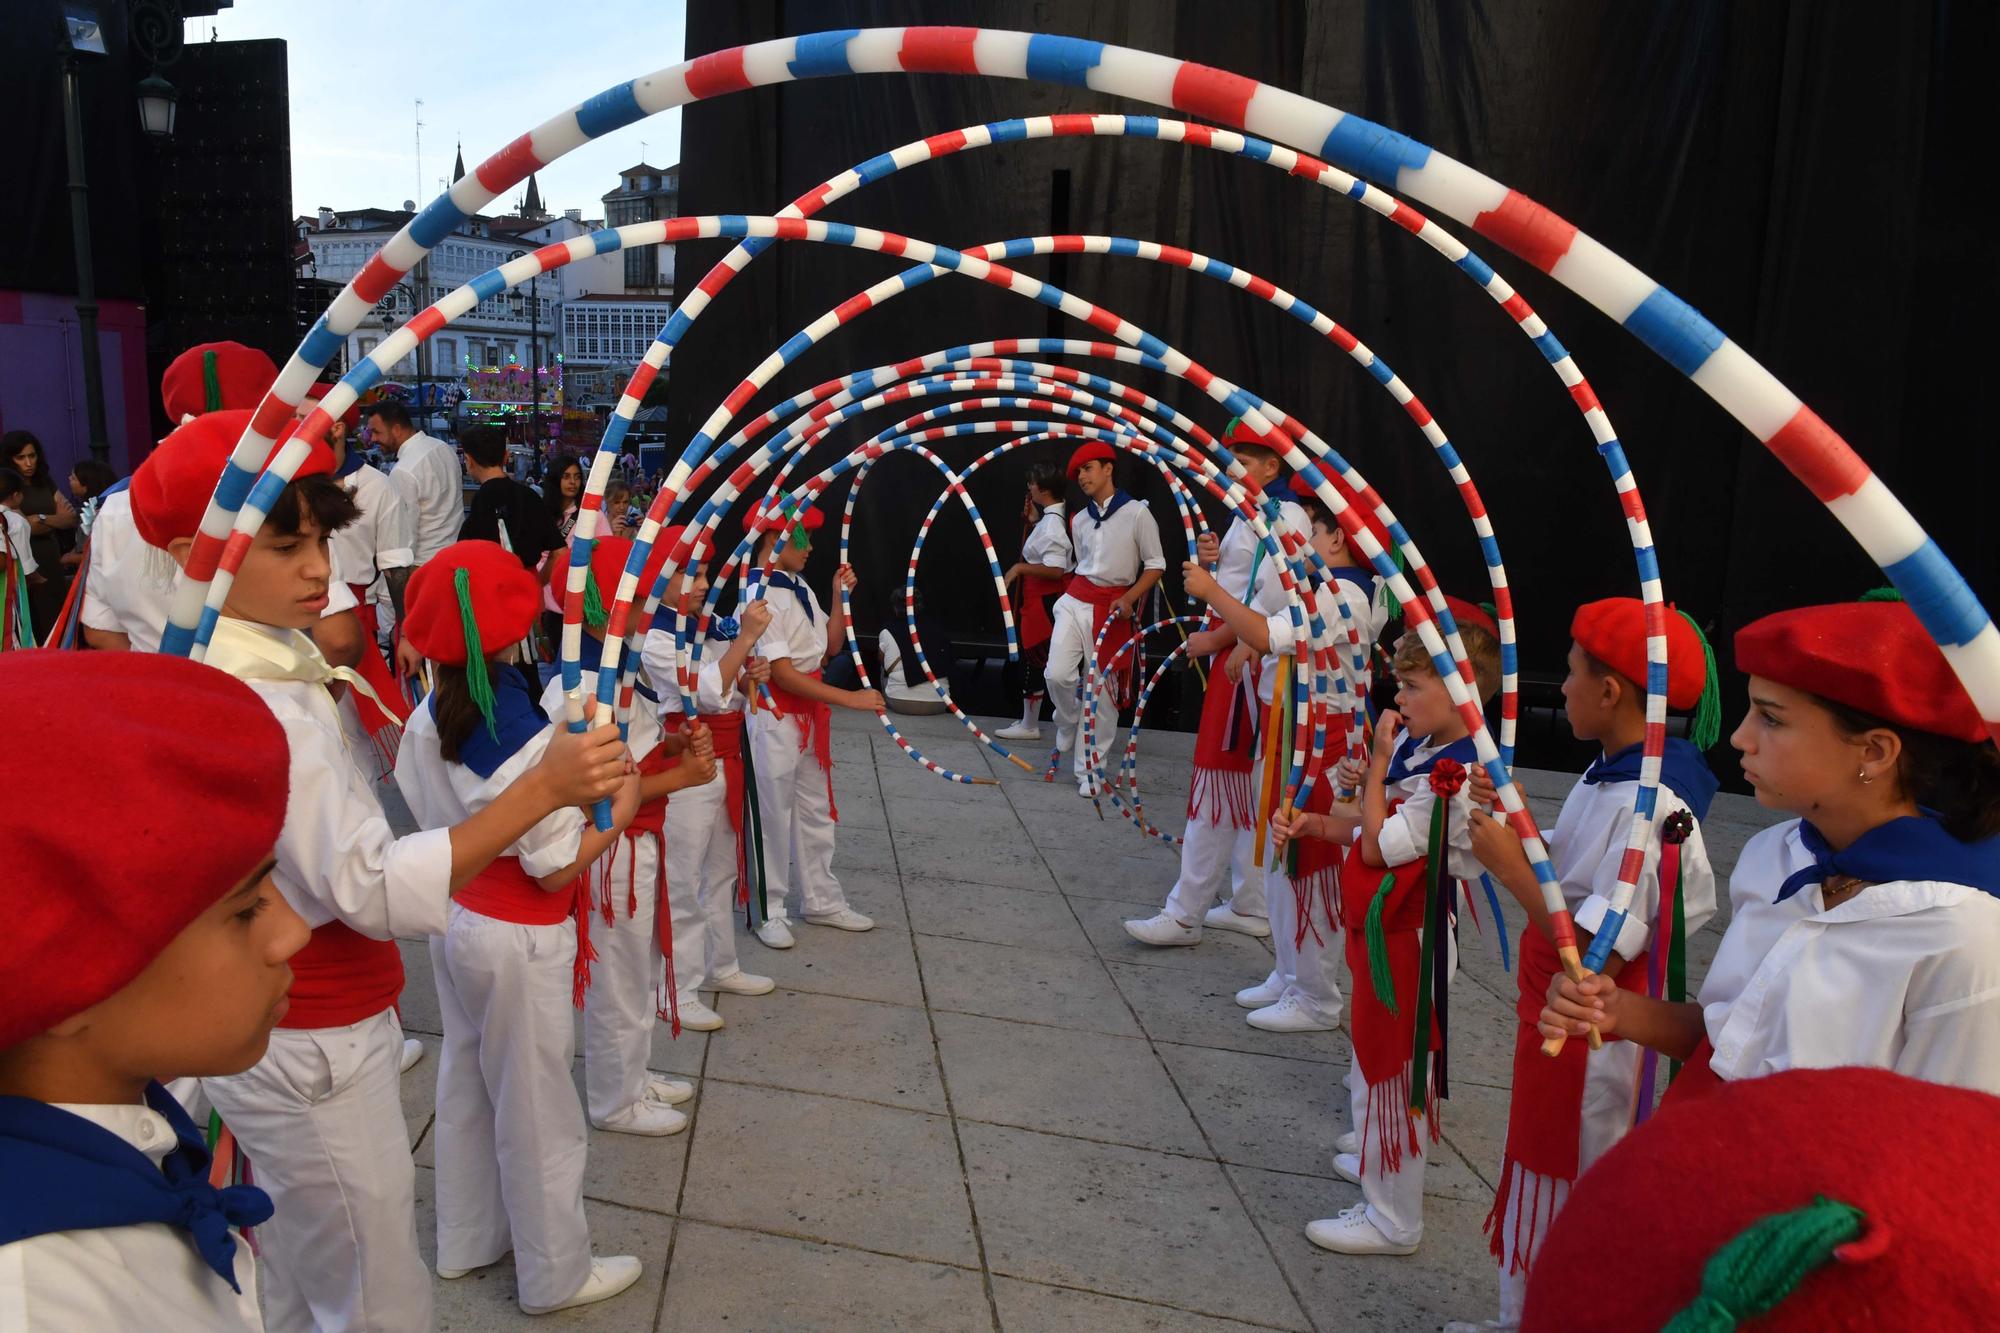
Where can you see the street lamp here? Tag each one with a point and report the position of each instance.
(78, 34)
(531, 302)
(157, 100)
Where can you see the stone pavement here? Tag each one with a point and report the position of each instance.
(997, 1111)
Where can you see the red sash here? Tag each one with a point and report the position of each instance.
(342, 977)
(727, 728)
(1315, 878)
(506, 892)
(377, 672)
(1100, 600)
(1697, 1078)
(1384, 1038)
(1225, 750)
(1036, 627)
(1545, 1113)
(815, 721)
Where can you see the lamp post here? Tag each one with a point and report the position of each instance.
(532, 301)
(79, 35)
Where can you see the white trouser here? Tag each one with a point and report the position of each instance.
(1309, 970)
(796, 805)
(1610, 1074)
(1215, 857)
(510, 1133)
(619, 1007)
(701, 884)
(321, 1119)
(1071, 642)
(1395, 1199)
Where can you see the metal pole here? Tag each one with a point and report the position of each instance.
(419, 298)
(535, 360)
(86, 275)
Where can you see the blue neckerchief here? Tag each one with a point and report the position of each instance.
(64, 1173)
(724, 629)
(1400, 768)
(1119, 499)
(515, 717)
(1360, 578)
(1912, 847)
(350, 464)
(1683, 771)
(794, 586)
(591, 658)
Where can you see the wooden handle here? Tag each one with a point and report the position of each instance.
(1573, 969)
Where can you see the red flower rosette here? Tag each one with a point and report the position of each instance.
(1446, 778)
(1677, 828)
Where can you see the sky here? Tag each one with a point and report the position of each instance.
(487, 71)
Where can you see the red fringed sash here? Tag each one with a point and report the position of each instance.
(1225, 751)
(1100, 600)
(727, 729)
(506, 892)
(1036, 626)
(1383, 1038)
(815, 721)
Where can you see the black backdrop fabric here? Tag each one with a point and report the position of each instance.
(1804, 174)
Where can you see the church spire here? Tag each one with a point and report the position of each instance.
(458, 167)
(532, 207)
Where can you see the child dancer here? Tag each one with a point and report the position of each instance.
(1036, 580)
(1302, 993)
(321, 1114)
(516, 953)
(794, 795)
(107, 1218)
(1567, 1112)
(1865, 932)
(1392, 921)
(623, 1000)
(705, 822)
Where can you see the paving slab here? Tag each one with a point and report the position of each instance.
(1243, 958)
(870, 965)
(725, 1278)
(1080, 1083)
(1263, 1110)
(1032, 1307)
(826, 1169)
(1196, 1008)
(1124, 1222)
(828, 1044)
(991, 914)
(1026, 985)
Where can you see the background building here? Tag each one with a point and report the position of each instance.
(646, 193)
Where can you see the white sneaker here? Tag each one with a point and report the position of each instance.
(1349, 1143)
(1262, 995)
(653, 1120)
(1287, 1015)
(1353, 1233)
(775, 934)
(607, 1278)
(1163, 931)
(454, 1274)
(1087, 788)
(413, 1054)
(1347, 1165)
(668, 1091)
(845, 919)
(1226, 917)
(696, 1016)
(1020, 731)
(741, 983)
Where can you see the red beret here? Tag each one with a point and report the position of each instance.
(505, 600)
(171, 489)
(671, 537)
(1239, 432)
(1095, 452)
(768, 512)
(351, 418)
(1629, 1248)
(607, 566)
(1362, 511)
(192, 769)
(243, 375)
(1874, 656)
(1614, 632)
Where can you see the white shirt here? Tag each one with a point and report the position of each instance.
(792, 636)
(1902, 976)
(148, 1275)
(1333, 602)
(661, 663)
(893, 684)
(1587, 846)
(19, 539)
(642, 727)
(130, 584)
(1406, 833)
(1047, 542)
(431, 483)
(337, 857)
(1111, 555)
(441, 793)
(382, 538)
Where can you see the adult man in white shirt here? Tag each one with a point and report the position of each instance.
(1118, 560)
(427, 476)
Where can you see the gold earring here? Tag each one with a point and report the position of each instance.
(1866, 776)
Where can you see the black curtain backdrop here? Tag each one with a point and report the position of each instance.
(1802, 173)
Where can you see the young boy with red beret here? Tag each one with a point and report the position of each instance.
(1118, 560)
(705, 823)
(621, 1006)
(1216, 846)
(1567, 1112)
(516, 953)
(321, 1115)
(795, 794)
(159, 951)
